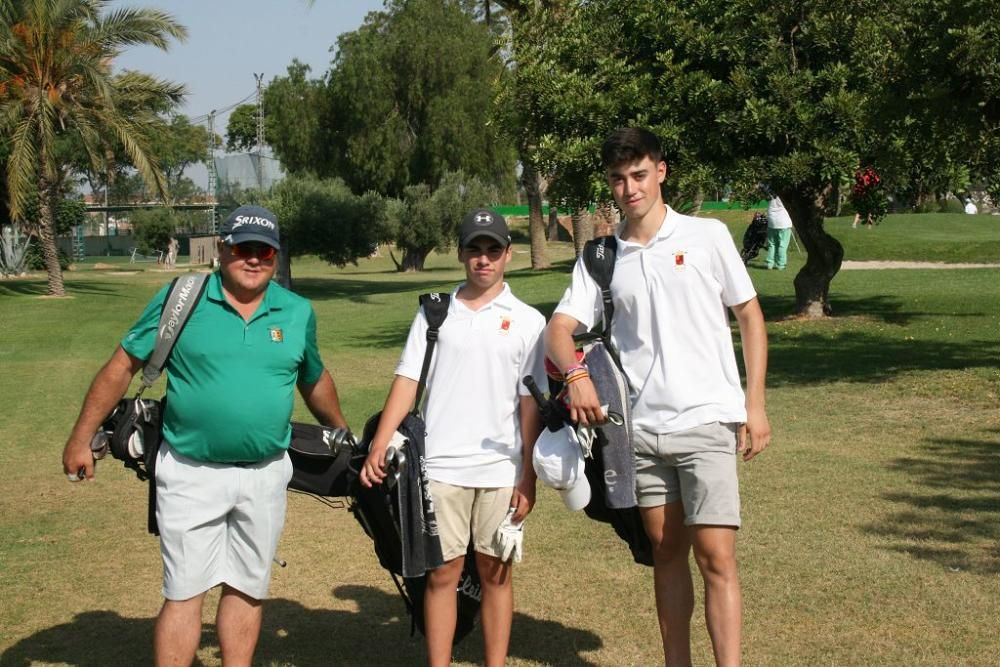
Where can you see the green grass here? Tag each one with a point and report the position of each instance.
(870, 527)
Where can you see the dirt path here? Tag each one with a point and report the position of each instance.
(849, 265)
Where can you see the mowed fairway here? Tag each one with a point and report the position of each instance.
(871, 526)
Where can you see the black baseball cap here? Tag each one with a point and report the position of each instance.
(251, 223)
(484, 222)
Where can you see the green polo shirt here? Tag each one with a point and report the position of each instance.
(231, 383)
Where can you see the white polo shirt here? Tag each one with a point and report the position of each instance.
(777, 216)
(474, 386)
(670, 324)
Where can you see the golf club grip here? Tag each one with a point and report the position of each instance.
(529, 382)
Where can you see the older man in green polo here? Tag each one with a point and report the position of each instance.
(223, 470)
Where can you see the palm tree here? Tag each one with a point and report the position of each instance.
(56, 80)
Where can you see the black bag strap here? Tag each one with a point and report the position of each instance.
(599, 260)
(185, 293)
(435, 305)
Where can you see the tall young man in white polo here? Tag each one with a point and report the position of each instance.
(675, 277)
(481, 426)
(222, 471)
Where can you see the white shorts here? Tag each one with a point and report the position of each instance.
(219, 523)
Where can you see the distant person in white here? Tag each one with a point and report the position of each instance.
(970, 207)
(779, 234)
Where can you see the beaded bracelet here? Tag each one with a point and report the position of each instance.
(573, 369)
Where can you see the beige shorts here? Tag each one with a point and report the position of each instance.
(697, 467)
(463, 513)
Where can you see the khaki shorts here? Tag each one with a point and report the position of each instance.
(463, 512)
(697, 467)
(219, 523)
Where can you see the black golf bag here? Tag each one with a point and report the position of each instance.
(754, 238)
(321, 467)
(327, 465)
(378, 511)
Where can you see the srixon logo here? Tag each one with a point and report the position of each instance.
(168, 329)
(252, 220)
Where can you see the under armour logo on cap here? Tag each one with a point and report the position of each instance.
(484, 222)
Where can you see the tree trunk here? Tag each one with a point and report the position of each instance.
(413, 259)
(607, 219)
(47, 238)
(553, 229)
(536, 223)
(583, 229)
(284, 273)
(824, 254)
(696, 201)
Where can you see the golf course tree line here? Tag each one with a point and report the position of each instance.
(790, 100)
(786, 98)
(60, 100)
(402, 119)
(431, 102)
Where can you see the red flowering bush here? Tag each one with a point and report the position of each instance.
(868, 196)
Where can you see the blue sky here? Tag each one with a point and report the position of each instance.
(230, 40)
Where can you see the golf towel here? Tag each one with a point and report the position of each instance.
(417, 523)
(615, 440)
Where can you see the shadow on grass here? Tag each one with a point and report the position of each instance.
(860, 356)
(952, 504)
(879, 308)
(377, 634)
(359, 270)
(857, 351)
(359, 291)
(91, 638)
(41, 288)
(389, 337)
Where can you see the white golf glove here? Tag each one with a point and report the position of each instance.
(510, 537)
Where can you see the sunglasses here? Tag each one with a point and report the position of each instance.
(493, 252)
(261, 251)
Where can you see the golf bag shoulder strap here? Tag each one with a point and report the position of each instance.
(599, 260)
(184, 294)
(435, 305)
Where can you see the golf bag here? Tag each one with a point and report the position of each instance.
(381, 515)
(324, 465)
(321, 458)
(610, 468)
(754, 238)
(132, 432)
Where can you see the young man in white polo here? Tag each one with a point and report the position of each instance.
(481, 426)
(675, 277)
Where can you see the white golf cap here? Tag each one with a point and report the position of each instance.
(558, 461)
